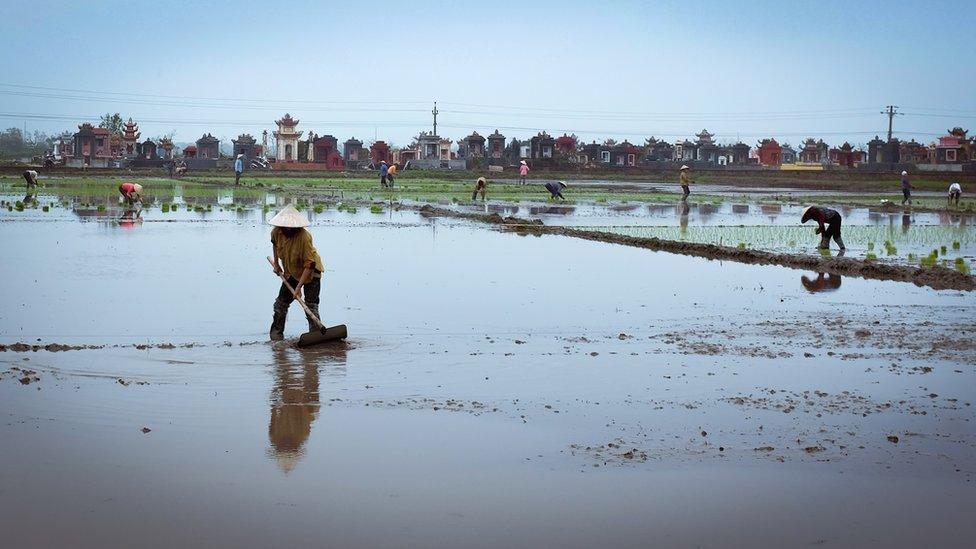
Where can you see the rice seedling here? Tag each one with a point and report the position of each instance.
(317, 209)
(870, 256)
(376, 208)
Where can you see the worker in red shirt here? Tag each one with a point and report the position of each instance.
(829, 221)
(131, 192)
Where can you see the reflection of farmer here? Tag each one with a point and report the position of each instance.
(130, 218)
(238, 169)
(294, 406)
(131, 192)
(555, 189)
(827, 283)
(683, 210)
(829, 225)
(31, 177)
(523, 171)
(906, 188)
(955, 192)
(297, 259)
(480, 187)
(685, 180)
(391, 174)
(384, 172)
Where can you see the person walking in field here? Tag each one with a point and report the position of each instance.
(829, 225)
(523, 171)
(295, 258)
(238, 169)
(906, 188)
(131, 192)
(955, 193)
(555, 189)
(384, 173)
(480, 187)
(391, 174)
(685, 180)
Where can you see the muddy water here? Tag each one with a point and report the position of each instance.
(495, 390)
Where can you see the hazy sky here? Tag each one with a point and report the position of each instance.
(744, 69)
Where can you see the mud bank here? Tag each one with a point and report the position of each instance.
(938, 278)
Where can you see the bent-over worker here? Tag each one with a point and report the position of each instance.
(555, 189)
(296, 258)
(391, 174)
(480, 187)
(31, 177)
(832, 229)
(131, 192)
(955, 192)
(685, 180)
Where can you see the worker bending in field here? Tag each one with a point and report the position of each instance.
(685, 180)
(131, 192)
(31, 177)
(298, 261)
(955, 193)
(555, 189)
(391, 173)
(480, 187)
(829, 221)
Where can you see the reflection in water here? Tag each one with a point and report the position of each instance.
(824, 283)
(295, 397)
(906, 221)
(683, 209)
(131, 218)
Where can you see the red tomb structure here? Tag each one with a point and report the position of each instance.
(770, 153)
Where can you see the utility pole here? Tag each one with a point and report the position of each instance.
(891, 112)
(434, 112)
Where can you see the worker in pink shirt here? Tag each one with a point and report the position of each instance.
(523, 171)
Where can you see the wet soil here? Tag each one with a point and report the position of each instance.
(939, 278)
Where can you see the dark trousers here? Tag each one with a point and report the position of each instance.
(686, 190)
(389, 180)
(474, 195)
(310, 291)
(237, 178)
(907, 194)
(383, 180)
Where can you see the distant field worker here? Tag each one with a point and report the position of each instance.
(131, 192)
(31, 177)
(685, 180)
(391, 174)
(523, 171)
(480, 187)
(906, 188)
(828, 217)
(384, 173)
(296, 258)
(238, 169)
(955, 193)
(555, 189)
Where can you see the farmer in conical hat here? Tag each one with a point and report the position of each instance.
(480, 187)
(296, 258)
(832, 229)
(131, 192)
(685, 180)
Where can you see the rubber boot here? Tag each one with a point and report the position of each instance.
(312, 325)
(278, 323)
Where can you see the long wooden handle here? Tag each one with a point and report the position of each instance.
(292, 290)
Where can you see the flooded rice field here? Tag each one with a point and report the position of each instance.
(495, 389)
(903, 237)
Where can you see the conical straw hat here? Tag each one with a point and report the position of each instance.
(289, 217)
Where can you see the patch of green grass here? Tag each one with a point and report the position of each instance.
(376, 208)
(870, 256)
